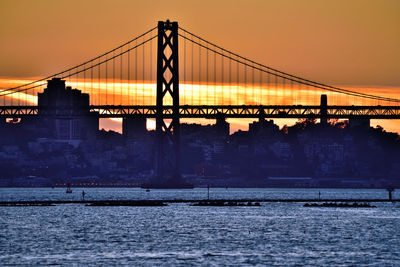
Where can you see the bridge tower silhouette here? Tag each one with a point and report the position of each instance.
(167, 86)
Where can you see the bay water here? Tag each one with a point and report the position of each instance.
(275, 234)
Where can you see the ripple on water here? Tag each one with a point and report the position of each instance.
(180, 235)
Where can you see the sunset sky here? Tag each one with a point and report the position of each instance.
(343, 43)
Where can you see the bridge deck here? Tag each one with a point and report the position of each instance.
(204, 111)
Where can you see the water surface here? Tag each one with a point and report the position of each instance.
(182, 235)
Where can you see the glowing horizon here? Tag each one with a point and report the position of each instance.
(144, 93)
(203, 94)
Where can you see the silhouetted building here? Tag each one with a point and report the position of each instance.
(134, 127)
(65, 112)
(362, 124)
(218, 130)
(222, 127)
(263, 127)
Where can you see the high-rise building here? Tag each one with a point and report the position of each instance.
(65, 112)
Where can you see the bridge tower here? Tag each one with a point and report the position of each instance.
(167, 87)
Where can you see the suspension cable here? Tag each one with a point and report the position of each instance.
(77, 72)
(294, 78)
(283, 74)
(80, 65)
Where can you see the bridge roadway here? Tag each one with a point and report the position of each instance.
(210, 112)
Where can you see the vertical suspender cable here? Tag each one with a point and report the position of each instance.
(98, 84)
(84, 77)
(261, 88)
(284, 91)
(91, 83)
(230, 79)
(237, 81)
(245, 83)
(293, 94)
(192, 61)
(293, 100)
(75, 76)
(252, 84)
(300, 93)
(199, 100)
(268, 88)
(207, 84)
(120, 79)
(136, 74)
(184, 69)
(222, 78)
(18, 98)
(143, 71)
(113, 80)
(215, 79)
(129, 76)
(276, 90)
(151, 65)
(106, 80)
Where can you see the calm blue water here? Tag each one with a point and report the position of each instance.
(280, 234)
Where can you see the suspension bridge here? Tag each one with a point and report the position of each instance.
(169, 73)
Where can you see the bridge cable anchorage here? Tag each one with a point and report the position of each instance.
(75, 68)
(266, 69)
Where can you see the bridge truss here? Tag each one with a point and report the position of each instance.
(227, 111)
